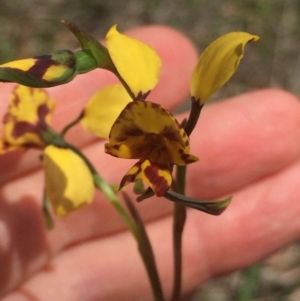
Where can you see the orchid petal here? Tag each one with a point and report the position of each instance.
(157, 178)
(218, 63)
(28, 115)
(103, 109)
(69, 182)
(137, 63)
(146, 129)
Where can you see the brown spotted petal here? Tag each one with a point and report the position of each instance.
(27, 117)
(147, 130)
(158, 178)
(132, 148)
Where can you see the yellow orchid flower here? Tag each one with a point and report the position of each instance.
(147, 131)
(68, 180)
(137, 132)
(27, 118)
(139, 67)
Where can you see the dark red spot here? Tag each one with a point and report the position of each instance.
(23, 127)
(133, 131)
(42, 112)
(169, 134)
(130, 177)
(115, 147)
(41, 65)
(160, 184)
(16, 100)
(7, 118)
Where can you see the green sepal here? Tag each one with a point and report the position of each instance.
(85, 61)
(92, 47)
(49, 136)
(210, 207)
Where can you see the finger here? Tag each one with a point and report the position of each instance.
(173, 87)
(243, 139)
(216, 174)
(83, 225)
(260, 220)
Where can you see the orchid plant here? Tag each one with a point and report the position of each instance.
(134, 128)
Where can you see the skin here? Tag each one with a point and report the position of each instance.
(248, 147)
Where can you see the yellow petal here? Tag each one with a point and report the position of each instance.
(145, 117)
(69, 183)
(103, 109)
(159, 179)
(28, 115)
(147, 130)
(218, 63)
(6, 147)
(23, 65)
(25, 104)
(137, 63)
(134, 148)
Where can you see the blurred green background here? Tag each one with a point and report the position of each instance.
(33, 27)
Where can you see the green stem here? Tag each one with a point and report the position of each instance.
(71, 124)
(179, 213)
(146, 251)
(179, 217)
(114, 200)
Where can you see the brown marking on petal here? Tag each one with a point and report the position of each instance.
(186, 158)
(169, 134)
(7, 118)
(160, 184)
(142, 96)
(129, 178)
(41, 65)
(16, 98)
(178, 124)
(5, 146)
(23, 127)
(133, 131)
(42, 113)
(109, 147)
(121, 138)
(186, 143)
(165, 112)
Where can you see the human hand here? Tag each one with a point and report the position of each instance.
(248, 147)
